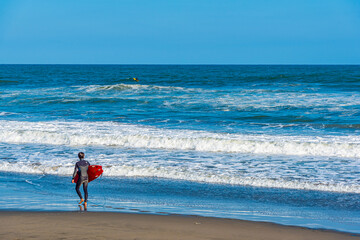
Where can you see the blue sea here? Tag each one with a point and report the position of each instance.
(272, 143)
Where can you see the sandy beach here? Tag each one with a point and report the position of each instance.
(105, 225)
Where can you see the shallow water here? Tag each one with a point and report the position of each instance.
(313, 209)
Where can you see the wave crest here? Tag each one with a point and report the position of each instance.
(134, 136)
(123, 86)
(184, 174)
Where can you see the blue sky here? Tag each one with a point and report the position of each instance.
(180, 31)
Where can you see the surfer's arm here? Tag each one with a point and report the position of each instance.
(76, 169)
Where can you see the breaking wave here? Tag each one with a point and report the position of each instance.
(123, 86)
(184, 174)
(137, 136)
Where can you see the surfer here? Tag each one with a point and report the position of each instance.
(81, 168)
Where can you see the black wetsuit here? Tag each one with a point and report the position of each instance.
(81, 168)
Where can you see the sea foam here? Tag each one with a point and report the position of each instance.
(184, 174)
(138, 136)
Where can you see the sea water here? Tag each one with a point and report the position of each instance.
(266, 143)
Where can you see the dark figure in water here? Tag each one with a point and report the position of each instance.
(81, 168)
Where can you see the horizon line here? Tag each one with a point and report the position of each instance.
(236, 64)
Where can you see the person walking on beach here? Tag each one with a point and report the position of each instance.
(81, 168)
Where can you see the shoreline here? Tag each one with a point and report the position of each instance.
(33, 193)
(114, 225)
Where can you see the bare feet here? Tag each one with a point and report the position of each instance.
(81, 201)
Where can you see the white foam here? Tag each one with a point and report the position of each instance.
(184, 174)
(218, 99)
(35, 169)
(270, 101)
(122, 86)
(135, 136)
(6, 113)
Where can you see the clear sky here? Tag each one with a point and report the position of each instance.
(180, 31)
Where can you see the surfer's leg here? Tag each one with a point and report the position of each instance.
(85, 185)
(77, 188)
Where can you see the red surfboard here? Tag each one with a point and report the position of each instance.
(94, 171)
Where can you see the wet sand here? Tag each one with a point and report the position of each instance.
(107, 225)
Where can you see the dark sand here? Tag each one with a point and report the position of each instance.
(106, 225)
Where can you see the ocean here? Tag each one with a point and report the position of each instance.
(277, 143)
